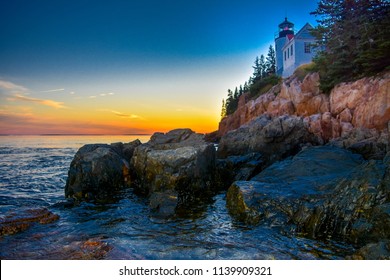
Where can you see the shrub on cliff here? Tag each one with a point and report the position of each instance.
(263, 85)
(302, 71)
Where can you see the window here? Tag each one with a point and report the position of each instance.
(307, 47)
(285, 55)
(292, 52)
(288, 53)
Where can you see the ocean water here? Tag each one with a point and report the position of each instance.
(33, 172)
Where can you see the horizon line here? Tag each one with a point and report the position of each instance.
(79, 134)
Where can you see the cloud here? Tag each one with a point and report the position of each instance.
(46, 102)
(93, 96)
(13, 123)
(107, 94)
(53, 90)
(12, 88)
(126, 116)
(15, 117)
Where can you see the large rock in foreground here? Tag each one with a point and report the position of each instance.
(98, 170)
(323, 192)
(174, 169)
(281, 190)
(358, 209)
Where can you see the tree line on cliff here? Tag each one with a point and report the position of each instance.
(354, 36)
(262, 79)
(354, 39)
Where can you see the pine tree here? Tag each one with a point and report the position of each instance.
(355, 37)
(257, 71)
(223, 111)
(236, 93)
(246, 87)
(271, 61)
(263, 67)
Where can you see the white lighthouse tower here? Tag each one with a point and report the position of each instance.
(286, 30)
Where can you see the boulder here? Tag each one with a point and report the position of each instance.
(358, 207)
(98, 170)
(323, 192)
(275, 138)
(174, 169)
(126, 150)
(370, 143)
(237, 168)
(286, 190)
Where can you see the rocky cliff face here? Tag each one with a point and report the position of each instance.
(358, 110)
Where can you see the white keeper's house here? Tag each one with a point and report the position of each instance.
(293, 50)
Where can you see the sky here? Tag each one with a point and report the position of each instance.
(130, 67)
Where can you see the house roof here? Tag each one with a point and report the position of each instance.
(303, 33)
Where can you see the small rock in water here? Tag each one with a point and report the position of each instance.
(91, 249)
(17, 222)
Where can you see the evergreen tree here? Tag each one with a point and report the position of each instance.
(246, 87)
(236, 95)
(231, 102)
(223, 111)
(354, 37)
(263, 77)
(271, 61)
(263, 67)
(257, 71)
(250, 81)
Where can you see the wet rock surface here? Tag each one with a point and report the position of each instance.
(358, 208)
(97, 170)
(91, 249)
(174, 169)
(17, 222)
(323, 193)
(373, 251)
(239, 168)
(281, 190)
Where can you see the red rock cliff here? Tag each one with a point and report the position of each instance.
(361, 104)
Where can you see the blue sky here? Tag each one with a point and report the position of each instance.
(173, 58)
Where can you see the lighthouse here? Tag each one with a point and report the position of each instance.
(293, 49)
(286, 31)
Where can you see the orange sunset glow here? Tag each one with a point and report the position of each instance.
(127, 67)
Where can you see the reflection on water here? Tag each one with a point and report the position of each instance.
(33, 174)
